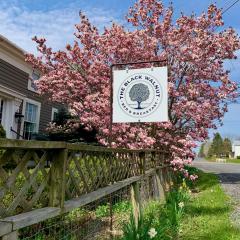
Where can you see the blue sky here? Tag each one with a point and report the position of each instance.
(20, 20)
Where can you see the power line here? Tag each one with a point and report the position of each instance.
(224, 11)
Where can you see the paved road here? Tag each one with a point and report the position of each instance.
(229, 175)
(228, 168)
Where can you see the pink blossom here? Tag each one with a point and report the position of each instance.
(199, 86)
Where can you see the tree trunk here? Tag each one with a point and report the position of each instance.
(139, 105)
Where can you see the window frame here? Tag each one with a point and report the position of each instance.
(54, 110)
(31, 80)
(38, 104)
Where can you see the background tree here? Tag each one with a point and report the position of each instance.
(227, 147)
(139, 93)
(201, 151)
(198, 85)
(207, 146)
(216, 148)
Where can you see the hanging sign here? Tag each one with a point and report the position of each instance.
(140, 95)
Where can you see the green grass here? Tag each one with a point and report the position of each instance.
(228, 160)
(233, 160)
(207, 213)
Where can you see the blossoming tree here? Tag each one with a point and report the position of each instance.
(199, 86)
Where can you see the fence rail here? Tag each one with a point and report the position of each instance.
(40, 179)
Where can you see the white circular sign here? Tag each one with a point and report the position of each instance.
(140, 95)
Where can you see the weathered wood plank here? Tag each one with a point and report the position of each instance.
(24, 144)
(38, 215)
(11, 236)
(161, 192)
(93, 196)
(75, 182)
(27, 219)
(84, 179)
(27, 184)
(136, 202)
(5, 228)
(58, 178)
(85, 147)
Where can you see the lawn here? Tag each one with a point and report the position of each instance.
(230, 160)
(207, 213)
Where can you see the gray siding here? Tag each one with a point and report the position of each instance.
(45, 115)
(17, 80)
(13, 77)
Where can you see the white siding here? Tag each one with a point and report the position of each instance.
(236, 151)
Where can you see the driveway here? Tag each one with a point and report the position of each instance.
(229, 175)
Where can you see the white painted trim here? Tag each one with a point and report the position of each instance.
(54, 110)
(28, 100)
(9, 93)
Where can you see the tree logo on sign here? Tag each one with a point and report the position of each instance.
(139, 93)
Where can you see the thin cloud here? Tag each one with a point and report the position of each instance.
(20, 24)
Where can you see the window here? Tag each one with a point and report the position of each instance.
(31, 82)
(54, 114)
(31, 119)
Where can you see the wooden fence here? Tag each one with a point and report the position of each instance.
(40, 180)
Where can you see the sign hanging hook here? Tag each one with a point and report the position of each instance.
(127, 68)
(152, 67)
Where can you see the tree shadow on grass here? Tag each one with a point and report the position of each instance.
(193, 211)
(220, 232)
(230, 178)
(206, 181)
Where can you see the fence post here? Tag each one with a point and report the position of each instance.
(142, 158)
(154, 159)
(58, 178)
(160, 189)
(136, 202)
(11, 236)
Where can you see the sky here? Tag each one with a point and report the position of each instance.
(20, 20)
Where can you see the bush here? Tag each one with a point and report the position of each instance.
(118, 208)
(67, 128)
(102, 211)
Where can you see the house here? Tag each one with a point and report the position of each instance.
(23, 111)
(236, 149)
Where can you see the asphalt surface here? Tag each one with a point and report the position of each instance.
(218, 168)
(229, 176)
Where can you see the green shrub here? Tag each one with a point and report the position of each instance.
(131, 231)
(174, 209)
(122, 207)
(102, 211)
(118, 208)
(77, 214)
(163, 219)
